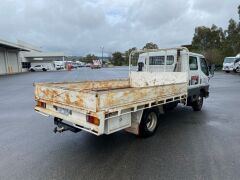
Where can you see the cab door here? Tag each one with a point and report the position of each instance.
(204, 72)
(194, 78)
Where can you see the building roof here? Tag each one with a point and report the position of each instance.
(9, 45)
(43, 54)
(28, 46)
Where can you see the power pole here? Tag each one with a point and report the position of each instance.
(102, 48)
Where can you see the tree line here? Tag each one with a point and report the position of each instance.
(216, 43)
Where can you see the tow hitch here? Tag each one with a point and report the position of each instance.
(61, 126)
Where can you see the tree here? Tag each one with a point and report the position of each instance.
(150, 45)
(215, 43)
(89, 58)
(127, 54)
(232, 41)
(117, 59)
(207, 38)
(209, 41)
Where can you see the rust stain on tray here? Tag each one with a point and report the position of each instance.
(79, 102)
(67, 99)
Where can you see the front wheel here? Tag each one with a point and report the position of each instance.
(149, 122)
(237, 70)
(197, 105)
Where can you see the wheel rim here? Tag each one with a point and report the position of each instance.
(152, 121)
(238, 70)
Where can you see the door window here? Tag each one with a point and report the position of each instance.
(193, 64)
(204, 66)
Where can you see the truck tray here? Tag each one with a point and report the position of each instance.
(107, 96)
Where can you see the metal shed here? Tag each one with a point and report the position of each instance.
(9, 57)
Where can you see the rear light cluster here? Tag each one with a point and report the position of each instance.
(93, 120)
(41, 104)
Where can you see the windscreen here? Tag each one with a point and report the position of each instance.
(229, 60)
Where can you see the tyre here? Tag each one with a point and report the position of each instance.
(44, 69)
(149, 122)
(238, 70)
(227, 71)
(32, 70)
(197, 105)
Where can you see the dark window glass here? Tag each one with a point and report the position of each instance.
(170, 60)
(193, 65)
(156, 60)
(204, 66)
(26, 65)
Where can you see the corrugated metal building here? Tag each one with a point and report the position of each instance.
(9, 58)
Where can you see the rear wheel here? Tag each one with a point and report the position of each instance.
(44, 69)
(197, 105)
(149, 122)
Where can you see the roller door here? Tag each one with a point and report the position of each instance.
(12, 62)
(2, 63)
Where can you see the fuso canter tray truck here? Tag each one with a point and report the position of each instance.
(159, 80)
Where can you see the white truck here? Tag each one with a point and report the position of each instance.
(231, 64)
(157, 82)
(236, 68)
(228, 64)
(97, 64)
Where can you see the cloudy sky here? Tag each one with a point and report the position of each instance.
(78, 27)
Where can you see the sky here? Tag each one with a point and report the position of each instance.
(80, 27)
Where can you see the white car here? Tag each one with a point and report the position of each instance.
(58, 67)
(38, 68)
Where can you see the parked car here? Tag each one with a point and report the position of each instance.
(88, 64)
(58, 66)
(74, 66)
(38, 68)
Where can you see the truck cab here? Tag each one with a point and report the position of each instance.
(228, 64)
(180, 60)
(236, 67)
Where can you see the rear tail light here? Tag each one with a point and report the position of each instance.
(41, 104)
(93, 120)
